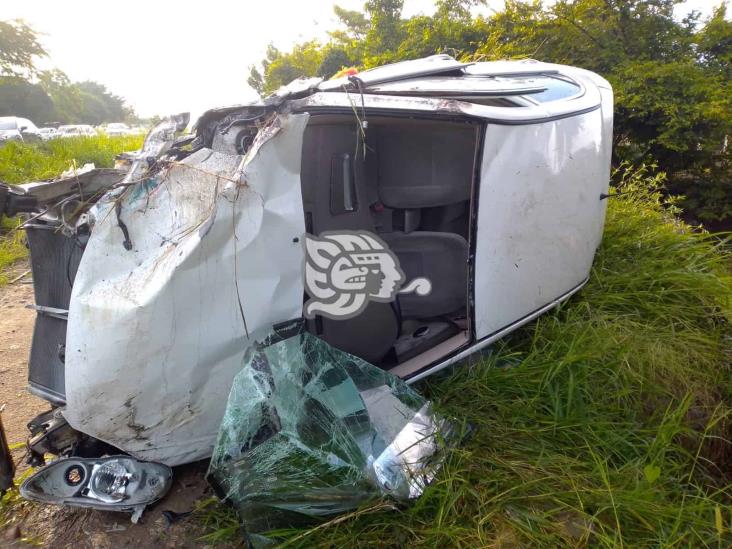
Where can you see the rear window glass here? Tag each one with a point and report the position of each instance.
(7, 124)
(556, 88)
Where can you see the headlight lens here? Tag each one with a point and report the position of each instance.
(118, 483)
(110, 480)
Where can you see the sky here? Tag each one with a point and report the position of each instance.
(167, 56)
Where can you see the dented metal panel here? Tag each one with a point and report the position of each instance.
(213, 262)
(434, 64)
(540, 216)
(529, 113)
(450, 86)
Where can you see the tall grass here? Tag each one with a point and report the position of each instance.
(23, 162)
(604, 423)
(12, 246)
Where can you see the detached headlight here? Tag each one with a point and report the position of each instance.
(118, 483)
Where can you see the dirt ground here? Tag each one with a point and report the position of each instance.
(16, 331)
(58, 527)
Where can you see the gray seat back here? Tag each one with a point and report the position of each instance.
(425, 165)
(327, 149)
(440, 257)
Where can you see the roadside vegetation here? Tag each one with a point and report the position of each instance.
(605, 423)
(672, 76)
(23, 162)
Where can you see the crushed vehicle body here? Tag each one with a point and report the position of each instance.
(408, 215)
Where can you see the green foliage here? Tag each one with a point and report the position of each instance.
(81, 102)
(19, 47)
(12, 246)
(23, 162)
(18, 97)
(48, 97)
(54, 99)
(676, 111)
(14, 509)
(603, 423)
(99, 105)
(282, 69)
(385, 32)
(714, 42)
(672, 78)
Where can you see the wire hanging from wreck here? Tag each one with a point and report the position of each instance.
(362, 123)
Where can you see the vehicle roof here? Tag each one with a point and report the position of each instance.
(13, 118)
(490, 90)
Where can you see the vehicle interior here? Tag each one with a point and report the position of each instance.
(410, 182)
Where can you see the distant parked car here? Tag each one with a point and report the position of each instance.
(13, 128)
(48, 133)
(76, 130)
(117, 128)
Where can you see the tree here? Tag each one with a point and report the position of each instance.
(99, 105)
(450, 30)
(334, 59)
(83, 102)
(356, 24)
(19, 97)
(385, 33)
(672, 78)
(307, 59)
(19, 47)
(714, 42)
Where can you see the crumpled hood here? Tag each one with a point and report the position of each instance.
(182, 270)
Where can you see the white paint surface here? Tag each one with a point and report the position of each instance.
(540, 215)
(168, 334)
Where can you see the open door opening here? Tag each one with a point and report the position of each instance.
(410, 182)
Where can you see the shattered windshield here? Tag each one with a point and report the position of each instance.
(310, 431)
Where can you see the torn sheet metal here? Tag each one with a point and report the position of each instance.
(297, 87)
(214, 261)
(311, 431)
(67, 192)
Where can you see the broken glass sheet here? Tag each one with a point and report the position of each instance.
(310, 431)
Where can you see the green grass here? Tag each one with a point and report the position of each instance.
(23, 162)
(13, 508)
(605, 423)
(12, 247)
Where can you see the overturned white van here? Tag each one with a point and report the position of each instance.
(410, 215)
